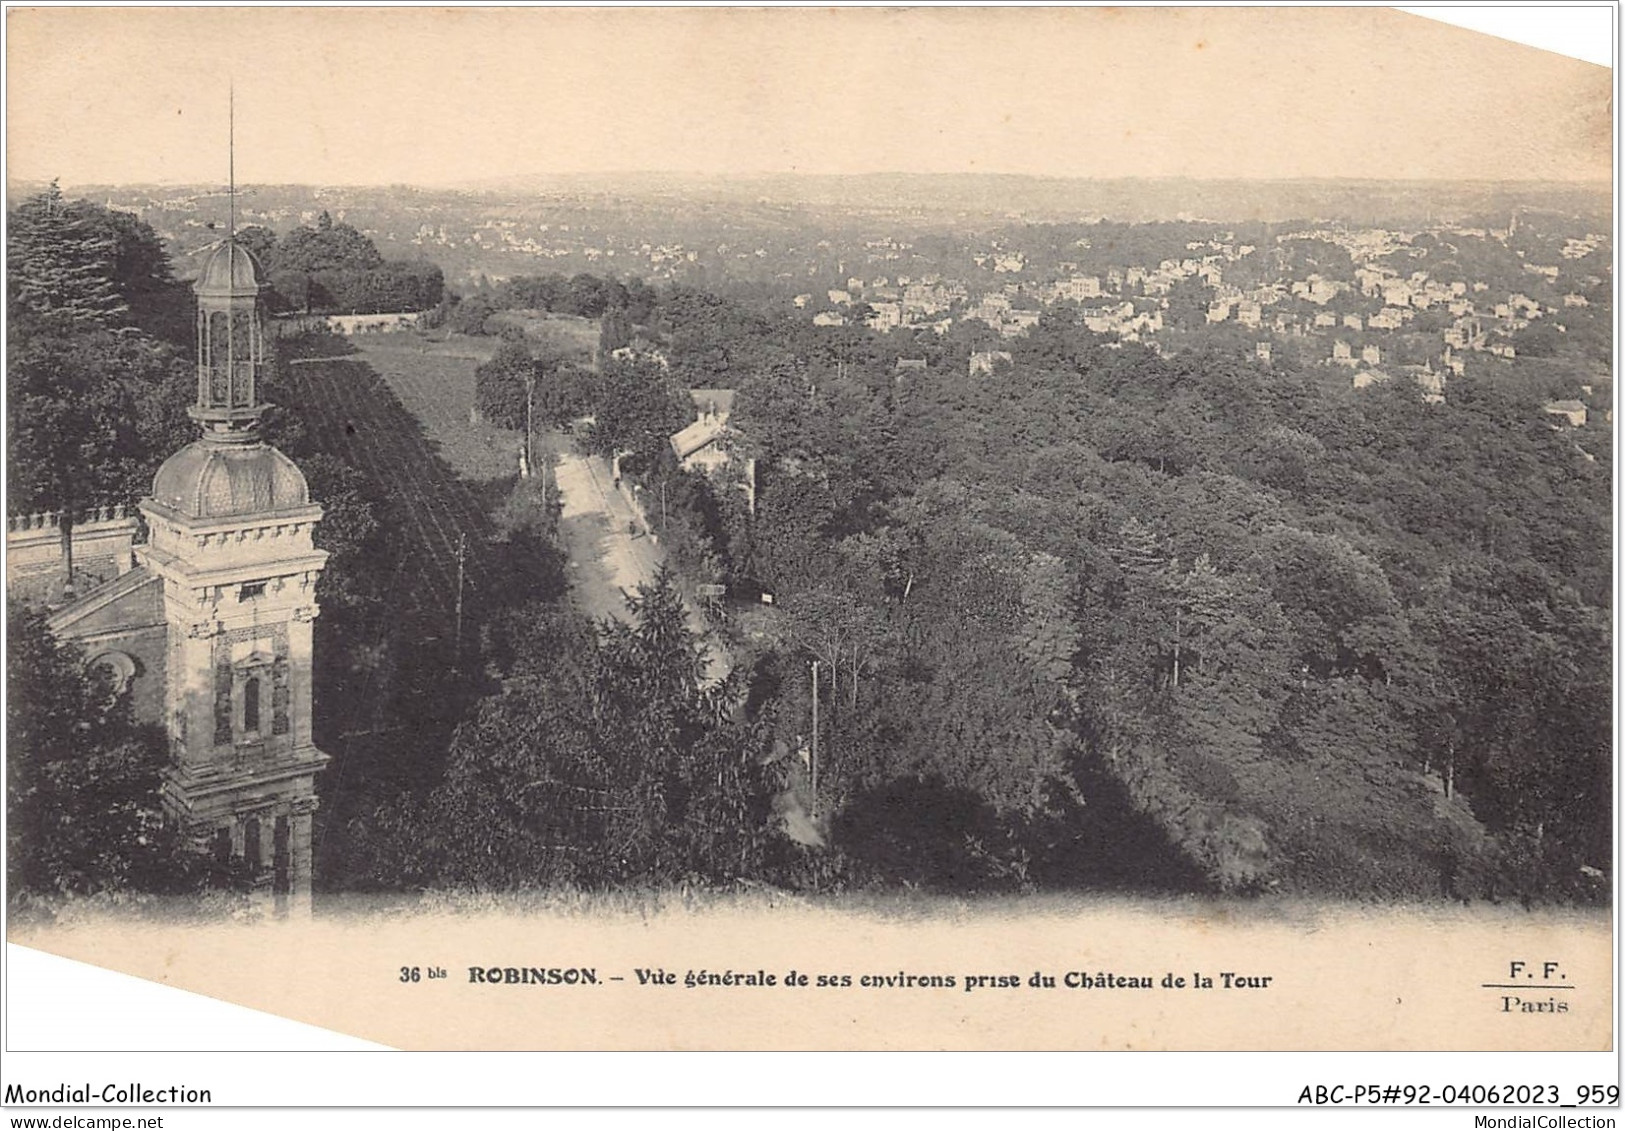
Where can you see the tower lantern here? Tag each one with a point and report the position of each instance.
(230, 342)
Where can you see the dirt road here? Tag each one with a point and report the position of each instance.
(610, 554)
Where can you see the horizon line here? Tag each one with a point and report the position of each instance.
(1605, 183)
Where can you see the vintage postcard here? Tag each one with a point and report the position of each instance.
(1043, 530)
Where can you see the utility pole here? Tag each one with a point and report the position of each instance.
(815, 740)
(457, 638)
(530, 391)
(662, 506)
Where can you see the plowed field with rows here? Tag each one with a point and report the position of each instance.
(425, 459)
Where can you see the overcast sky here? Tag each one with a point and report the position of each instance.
(371, 96)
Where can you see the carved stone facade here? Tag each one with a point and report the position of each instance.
(208, 623)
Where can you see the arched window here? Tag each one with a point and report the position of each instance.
(251, 704)
(242, 359)
(219, 359)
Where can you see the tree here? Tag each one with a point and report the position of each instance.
(640, 301)
(1277, 616)
(589, 296)
(563, 391)
(527, 794)
(259, 241)
(1185, 672)
(502, 385)
(83, 814)
(327, 258)
(326, 247)
(471, 314)
(836, 628)
(140, 269)
(638, 409)
(614, 331)
(75, 264)
(607, 759)
(90, 416)
(696, 809)
(60, 266)
(94, 401)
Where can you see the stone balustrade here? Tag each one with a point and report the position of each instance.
(49, 520)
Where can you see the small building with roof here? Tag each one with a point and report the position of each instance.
(702, 444)
(1571, 413)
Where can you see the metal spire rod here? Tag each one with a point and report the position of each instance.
(231, 159)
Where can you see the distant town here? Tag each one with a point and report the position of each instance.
(1420, 299)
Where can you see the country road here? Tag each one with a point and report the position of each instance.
(606, 559)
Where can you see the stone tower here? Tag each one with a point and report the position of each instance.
(230, 524)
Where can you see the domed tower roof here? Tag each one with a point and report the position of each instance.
(207, 480)
(230, 272)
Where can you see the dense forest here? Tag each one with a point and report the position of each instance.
(1098, 618)
(1108, 617)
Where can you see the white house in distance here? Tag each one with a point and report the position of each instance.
(1572, 413)
(702, 445)
(986, 361)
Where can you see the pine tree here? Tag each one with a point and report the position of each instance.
(60, 265)
(607, 759)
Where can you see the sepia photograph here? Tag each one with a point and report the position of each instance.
(850, 530)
